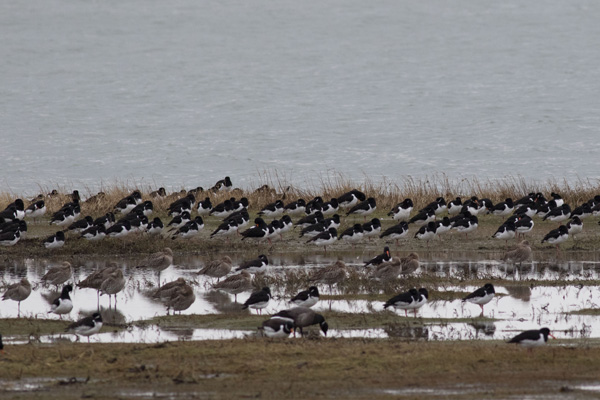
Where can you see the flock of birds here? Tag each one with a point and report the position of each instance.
(318, 221)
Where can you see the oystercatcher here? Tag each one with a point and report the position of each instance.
(558, 214)
(532, 338)
(426, 232)
(385, 256)
(306, 298)
(324, 238)
(404, 301)
(204, 207)
(352, 234)
(258, 231)
(258, 300)
(273, 210)
(55, 241)
(62, 304)
(454, 206)
(87, 326)
(481, 296)
(438, 206)
(396, 232)
(258, 265)
(401, 212)
(95, 232)
(557, 236)
(351, 198)
(277, 328)
(423, 218)
(503, 208)
(372, 228)
(297, 207)
(364, 208)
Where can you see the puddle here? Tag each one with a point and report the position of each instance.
(520, 308)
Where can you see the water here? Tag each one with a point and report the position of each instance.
(517, 307)
(182, 93)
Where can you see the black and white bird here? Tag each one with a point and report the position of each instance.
(506, 231)
(95, 232)
(223, 185)
(229, 227)
(324, 238)
(256, 266)
(396, 232)
(273, 210)
(120, 229)
(364, 208)
(310, 219)
(583, 211)
(65, 217)
(503, 208)
(10, 238)
(454, 206)
(126, 204)
(306, 298)
(466, 225)
(145, 208)
(258, 300)
(330, 207)
(427, 232)
(404, 301)
(55, 241)
(352, 234)
(87, 326)
(180, 220)
(274, 229)
(574, 226)
(557, 236)
(107, 220)
(532, 338)
(19, 208)
(36, 210)
(401, 212)
(529, 209)
(524, 225)
(315, 205)
(372, 228)
(302, 317)
(259, 231)
(277, 328)
(63, 303)
(351, 198)
(239, 205)
(558, 214)
(423, 217)
(204, 207)
(378, 259)
(285, 225)
(558, 200)
(443, 226)
(294, 208)
(180, 205)
(190, 229)
(155, 227)
(81, 225)
(438, 206)
(481, 296)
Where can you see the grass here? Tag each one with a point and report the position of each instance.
(301, 368)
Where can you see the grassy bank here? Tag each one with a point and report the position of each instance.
(321, 368)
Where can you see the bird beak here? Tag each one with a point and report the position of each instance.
(551, 335)
(292, 330)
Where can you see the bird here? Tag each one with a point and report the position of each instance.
(364, 208)
(506, 231)
(557, 236)
(427, 232)
(258, 232)
(113, 284)
(255, 266)
(285, 224)
(65, 217)
(19, 208)
(481, 296)
(330, 207)
(222, 210)
(55, 241)
(294, 208)
(146, 208)
(87, 326)
(302, 317)
(443, 226)
(352, 234)
(396, 232)
(58, 274)
(387, 270)
(454, 206)
(520, 254)
(36, 210)
(330, 275)
(306, 298)
(532, 338)
(423, 217)
(372, 228)
(204, 207)
(222, 185)
(95, 279)
(410, 263)
(422, 300)
(503, 208)
(404, 301)
(438, 206)
(310, 220)
(583, 211)
(176, 295)
(161, 192)
(226, 228)
(190, 229)
(558, 214)
(402, 210)
(324, 238)
(179, 220)
(81, 225)
(236, 284)
(351, 198)
(155, 226)
(120, 229)
(126, 204)
(466, 224)
(62, 304)
(94, 233)
(158, 261)
(378, 259)
(18, 292)
(273, 210)
(524, 225)
(217, 268)
(277, 328)
(182, 205)
(107, 220)
(258, 300)
(10, 238)
(574, 226)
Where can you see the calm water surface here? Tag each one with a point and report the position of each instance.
(181, 93)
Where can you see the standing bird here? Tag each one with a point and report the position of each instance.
(532, 338)
(454, 206)
(423, 217)
(481, 296)
(297, 207)
(396, 232)
(258, 300)
(217, 268)
(351, 198)
(258, 265)
(505, 232)
(364, 208)
(331, 275)
(385, 256)
(574, 226)
(113, 284)
(404, 301)
(306, 298)
(62, 304)
(401, 212)
(352, 234)
(259, 231)
(58, 274)
(520, 254)
(324, 238)
(302, 317)
(557, 236)
(176, 295)
(95, 279)
(503, 208)
(277, 328)
(18, 292)
(87, 326)
(427, 232)
(273, 210)
(236, 284)
(158, 261)
(372, 228)
(388, 270)
(36, 210)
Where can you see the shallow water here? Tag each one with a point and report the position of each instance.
(96, 91)
(518, 305)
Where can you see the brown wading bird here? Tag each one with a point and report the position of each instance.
(387, 270)
(58, 274)
(176, 295)
(410, 263)
(95, 279)
(236, 284)
(18, 292)
(217, 268)
(330, 275)
(521, 254)
(113, 284)
(158, 261)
